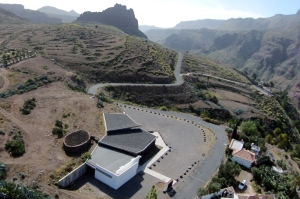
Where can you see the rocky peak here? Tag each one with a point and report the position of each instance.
(298, 13)
(118, 16)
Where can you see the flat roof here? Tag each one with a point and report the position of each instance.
(118, 121)
(108, 158)
(130, 140)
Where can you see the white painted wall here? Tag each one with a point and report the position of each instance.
(241, 161)
(115, 181)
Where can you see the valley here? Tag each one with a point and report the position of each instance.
(206, 93)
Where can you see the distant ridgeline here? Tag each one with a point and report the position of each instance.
(31, 15)
(117, 16)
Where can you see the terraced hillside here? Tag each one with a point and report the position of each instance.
(100, 53)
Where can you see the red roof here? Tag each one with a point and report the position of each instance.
(245, 154)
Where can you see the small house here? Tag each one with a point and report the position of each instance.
(244, 157)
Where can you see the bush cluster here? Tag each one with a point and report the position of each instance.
(31, 84)
(16, 146)
(28, 106)
(58, 129)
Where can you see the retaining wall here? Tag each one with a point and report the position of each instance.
(71, 177)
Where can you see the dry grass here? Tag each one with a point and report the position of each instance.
(55, 101)
(98, 53)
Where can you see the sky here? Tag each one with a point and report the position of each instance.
(168, 13)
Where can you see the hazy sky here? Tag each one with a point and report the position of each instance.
(167, 13)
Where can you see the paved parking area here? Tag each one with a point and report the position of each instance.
(185, 139)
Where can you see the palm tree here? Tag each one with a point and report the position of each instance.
(295, 182)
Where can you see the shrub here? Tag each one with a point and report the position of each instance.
(3, 170)
(28, 106)
(163, 108)
(16, 146)
(85, 156)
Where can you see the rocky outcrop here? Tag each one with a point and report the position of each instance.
(31, 15)
(117, 16)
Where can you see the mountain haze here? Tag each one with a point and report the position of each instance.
(65, 16)
(117, 16)
(144, 28)
(31, 15)
(8, 17)
(268, 47)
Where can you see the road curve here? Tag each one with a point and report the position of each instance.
(93, 89)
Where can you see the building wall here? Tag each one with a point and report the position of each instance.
(71, 177)
(115, 181)
(241, 161)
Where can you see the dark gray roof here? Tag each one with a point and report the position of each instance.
(108, 158)
(131, 140)
(118, 121)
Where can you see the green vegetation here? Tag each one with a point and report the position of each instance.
(3, 171)
(85, 156)
(46, 67)
(59, 129)
(152, 193)
(28, 106)
(224, 178)
(271, 181)
(15, 147)
(9, 190)
(104, 98)
(29, 85)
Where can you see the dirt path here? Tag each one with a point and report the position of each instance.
(26, 129)
(6, 81)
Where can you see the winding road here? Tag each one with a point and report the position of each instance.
(188, 188)
(93, 89)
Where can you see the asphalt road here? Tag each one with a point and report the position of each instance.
(93, 89)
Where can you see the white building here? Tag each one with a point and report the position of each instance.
(113, 167)
(236, 145)
(116, 158)
(243, 157)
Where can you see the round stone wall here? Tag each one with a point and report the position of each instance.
(76, 142)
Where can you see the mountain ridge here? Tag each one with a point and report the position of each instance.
(31, 15)
(117, 16)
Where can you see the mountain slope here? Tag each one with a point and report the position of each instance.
(240, 23)
(100, 53)
(66, 17)
(8, 17)
(117, 16)
(31, 15)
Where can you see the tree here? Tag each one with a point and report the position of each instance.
(295, 182)
(152, 193)
(229, 171)
(254, 76)
(249, 128)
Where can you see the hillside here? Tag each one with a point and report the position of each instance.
(7, 17)
(117, 16)
(239, 24)
(100, 53)
(31, 15)
(272, 54)
(65, 16)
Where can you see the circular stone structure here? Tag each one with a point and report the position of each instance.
(76, 142)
